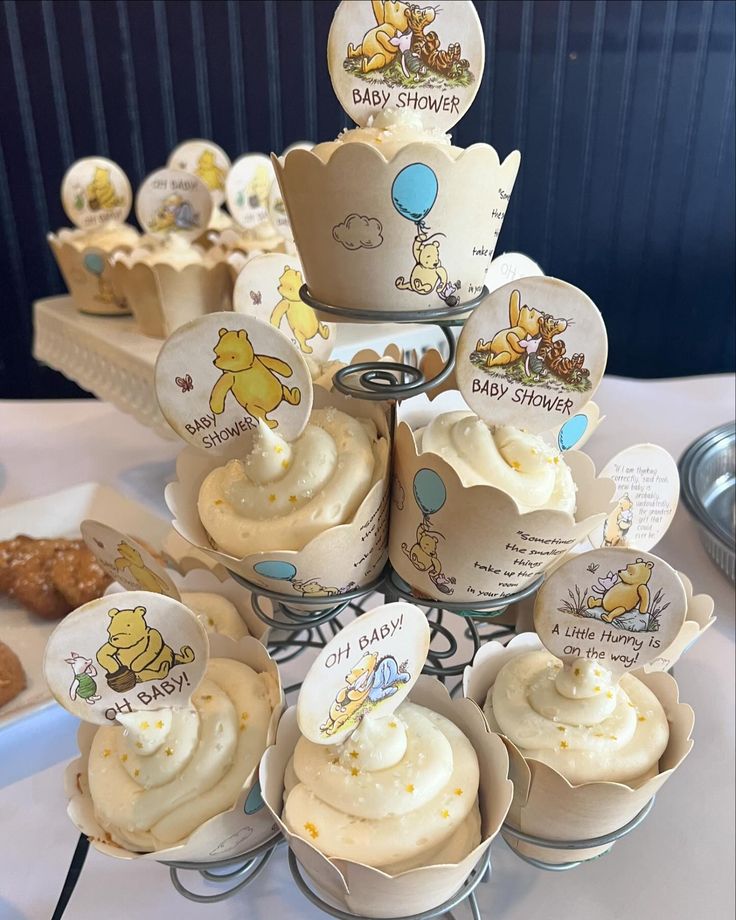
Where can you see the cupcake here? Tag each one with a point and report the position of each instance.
(485, 510)
(167, 281)
(96, 196)
(119, 787)
(391, 821)
(587, 752)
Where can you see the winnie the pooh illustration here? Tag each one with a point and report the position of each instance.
(101, 193)
(132, 560)
(209, 172)
(504, 347)
(258, 188)
(618, 523)
(629, 593)
(428, 273)
(251, 378)
(376, 49)
(423, 556)
(353, 695)
(301, 318)
(136, 652)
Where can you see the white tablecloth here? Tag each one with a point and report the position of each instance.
(678, 864)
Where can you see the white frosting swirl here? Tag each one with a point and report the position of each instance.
(400, 793)
(577, 720)
(521, 464)
(389, 131)
(216, 613)
(108, 237)
(169, 249)
(283, 495)
(153, 794)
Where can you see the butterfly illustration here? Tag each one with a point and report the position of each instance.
(256, 297)
(185, 383)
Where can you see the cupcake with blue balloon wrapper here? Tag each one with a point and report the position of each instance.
(391, 216)
(96, 196)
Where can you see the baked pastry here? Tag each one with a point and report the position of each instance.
(12, 676)
(578, 720)
(286, 493)
(50, 577)
(216, 613)
(400, 793)
(205, 753)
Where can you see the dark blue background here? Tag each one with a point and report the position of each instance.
(623, 111)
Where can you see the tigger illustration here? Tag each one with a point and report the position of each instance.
(569, 369)
(549, 327)
(447, 62)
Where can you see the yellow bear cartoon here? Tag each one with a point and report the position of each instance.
(504, 347)
(428, 273)
(132, 560)
(136, 652)
(209, 172)
(250, 377)
(423, 554)
(258, 188)
(100, 191)
(629, 593)
(618, 523)
(376, 49)
(301, 318)
(351, 697)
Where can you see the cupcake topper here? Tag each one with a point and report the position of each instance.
(205, 160)
(126, 561)
(221, 375)
(94, 191)
(126, 653)
(173, 201)
(277, 213)
(425, 60)
(247, 189)
(616, 608)
(368, 668)
(647, 491)
(268, 288)
(532, 354)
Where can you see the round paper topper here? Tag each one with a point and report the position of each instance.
(268, 288)
(532, 354)
(94, 191)
(368, 667)
(247, 189)
(126, 653)
(619, 607)
(173, 201)
(218, 375)
(127, 561)
(277, 213)
(508, 267)
(205, 160)
(647, 492)
(425, 59)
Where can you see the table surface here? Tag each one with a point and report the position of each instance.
(678, 864)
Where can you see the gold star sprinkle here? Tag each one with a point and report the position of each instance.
(292, 499)
(564, 745)
(123, 757)
(613, 737)
(244, 716)
(169, 752)
(609, 694)
(458, 791)
(160, 724)
(272, 498)
(561, 728)
(410, 788)
(597, 689)
(515, 464)
(243, 726)
(218, 501)
(355, 771)
(311, 830)
(335, 761)
(139, 744)
(642, 718)
(445, 813)
(106, 752)
(207, 697)
(278, 449)
(577, 672)
(211, 623)
(392, 725)
(136, 772)
(145, 725)
(355, 755)
(597, 672)
(556, 460)
(285, 464)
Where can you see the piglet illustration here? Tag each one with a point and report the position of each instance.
(83, 685)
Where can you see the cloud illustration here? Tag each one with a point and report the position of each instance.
(358, 232)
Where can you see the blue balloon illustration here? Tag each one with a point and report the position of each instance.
(429, 491)
(254, 802)
(414, 192)
(274, 568)
(572, 431)
(94, 263)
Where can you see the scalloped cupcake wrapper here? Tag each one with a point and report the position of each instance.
(370, 242)
(368, 892)
(545, 804)
(228, 834)
(94, 292)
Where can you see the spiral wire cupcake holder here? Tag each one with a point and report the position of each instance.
(381, 380)
(509, 830)
(481, 873)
